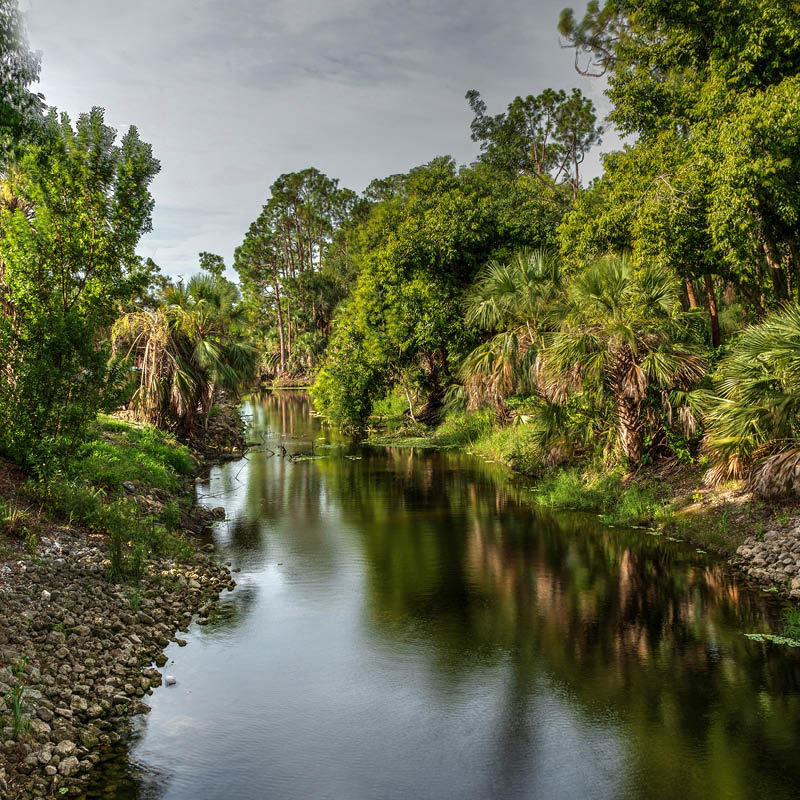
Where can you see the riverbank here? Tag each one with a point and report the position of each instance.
(760, 538)
(100, 569)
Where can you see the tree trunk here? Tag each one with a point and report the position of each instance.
(712, 310)
(778, 275)
(691, 294)
(289, 327)
(280, 323)
(629, 419)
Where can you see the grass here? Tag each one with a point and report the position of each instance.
(118, 452)
(90, 494)
(792, 623)
(14, 698)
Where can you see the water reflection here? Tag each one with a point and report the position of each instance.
(408, 625)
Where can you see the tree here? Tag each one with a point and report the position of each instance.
(710, 90)
(516, 302)
(623, 333)
(546, 135)
(423, 246)
(67, 260)
(212, 264)
(754, 418)
(184, 350)
(20, 109)
(281, 263)
(671, 64)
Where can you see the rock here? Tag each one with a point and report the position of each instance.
(46, 595)
(69, 766)
(181, 642)
(78, 703)
(65, 748)
(129, 487)
(39, 728)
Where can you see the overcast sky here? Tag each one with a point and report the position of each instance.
(231, 93)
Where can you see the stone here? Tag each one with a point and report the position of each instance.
(39, 728)
(78, 703)
(65, 748)
(46, 595)
(129, 487)
(69, 766)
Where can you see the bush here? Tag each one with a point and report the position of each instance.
(516, 446)
(461, 428)
(636, 505)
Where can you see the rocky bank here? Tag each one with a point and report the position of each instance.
(774, 559)
(85, 651)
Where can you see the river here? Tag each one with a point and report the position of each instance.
(407, 624)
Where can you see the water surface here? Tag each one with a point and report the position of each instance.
(408, 625)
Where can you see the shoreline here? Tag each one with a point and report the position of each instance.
(79, 653)
(760, 541)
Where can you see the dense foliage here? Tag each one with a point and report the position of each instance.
(184, 350)
(621, 339)
(73, 208)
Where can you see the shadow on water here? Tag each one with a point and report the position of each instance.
(408, 625)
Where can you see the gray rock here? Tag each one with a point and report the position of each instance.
(65, 748)
(69, 766)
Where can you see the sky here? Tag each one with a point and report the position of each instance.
(232, 93)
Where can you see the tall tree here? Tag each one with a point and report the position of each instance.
(20, 108)
(544, 135)
(718, 83)
(67, 259)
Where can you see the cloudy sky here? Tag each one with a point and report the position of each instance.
(231, 93)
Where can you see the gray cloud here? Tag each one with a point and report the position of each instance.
(231, 93)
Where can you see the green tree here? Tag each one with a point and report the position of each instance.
(212, 264)
(282, 264)
(516, 301)
(184, 350)
(67, 260)
(421, 248)
(711, 92)
(754, 418)
(547, 135)
(20, 108)
(623, 334)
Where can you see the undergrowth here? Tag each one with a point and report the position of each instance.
(89, 493)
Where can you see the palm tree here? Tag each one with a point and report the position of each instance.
(754, 421)
(515, 301)
(186, 349)
(623, 333)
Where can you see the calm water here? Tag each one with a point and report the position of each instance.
(407, 625)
